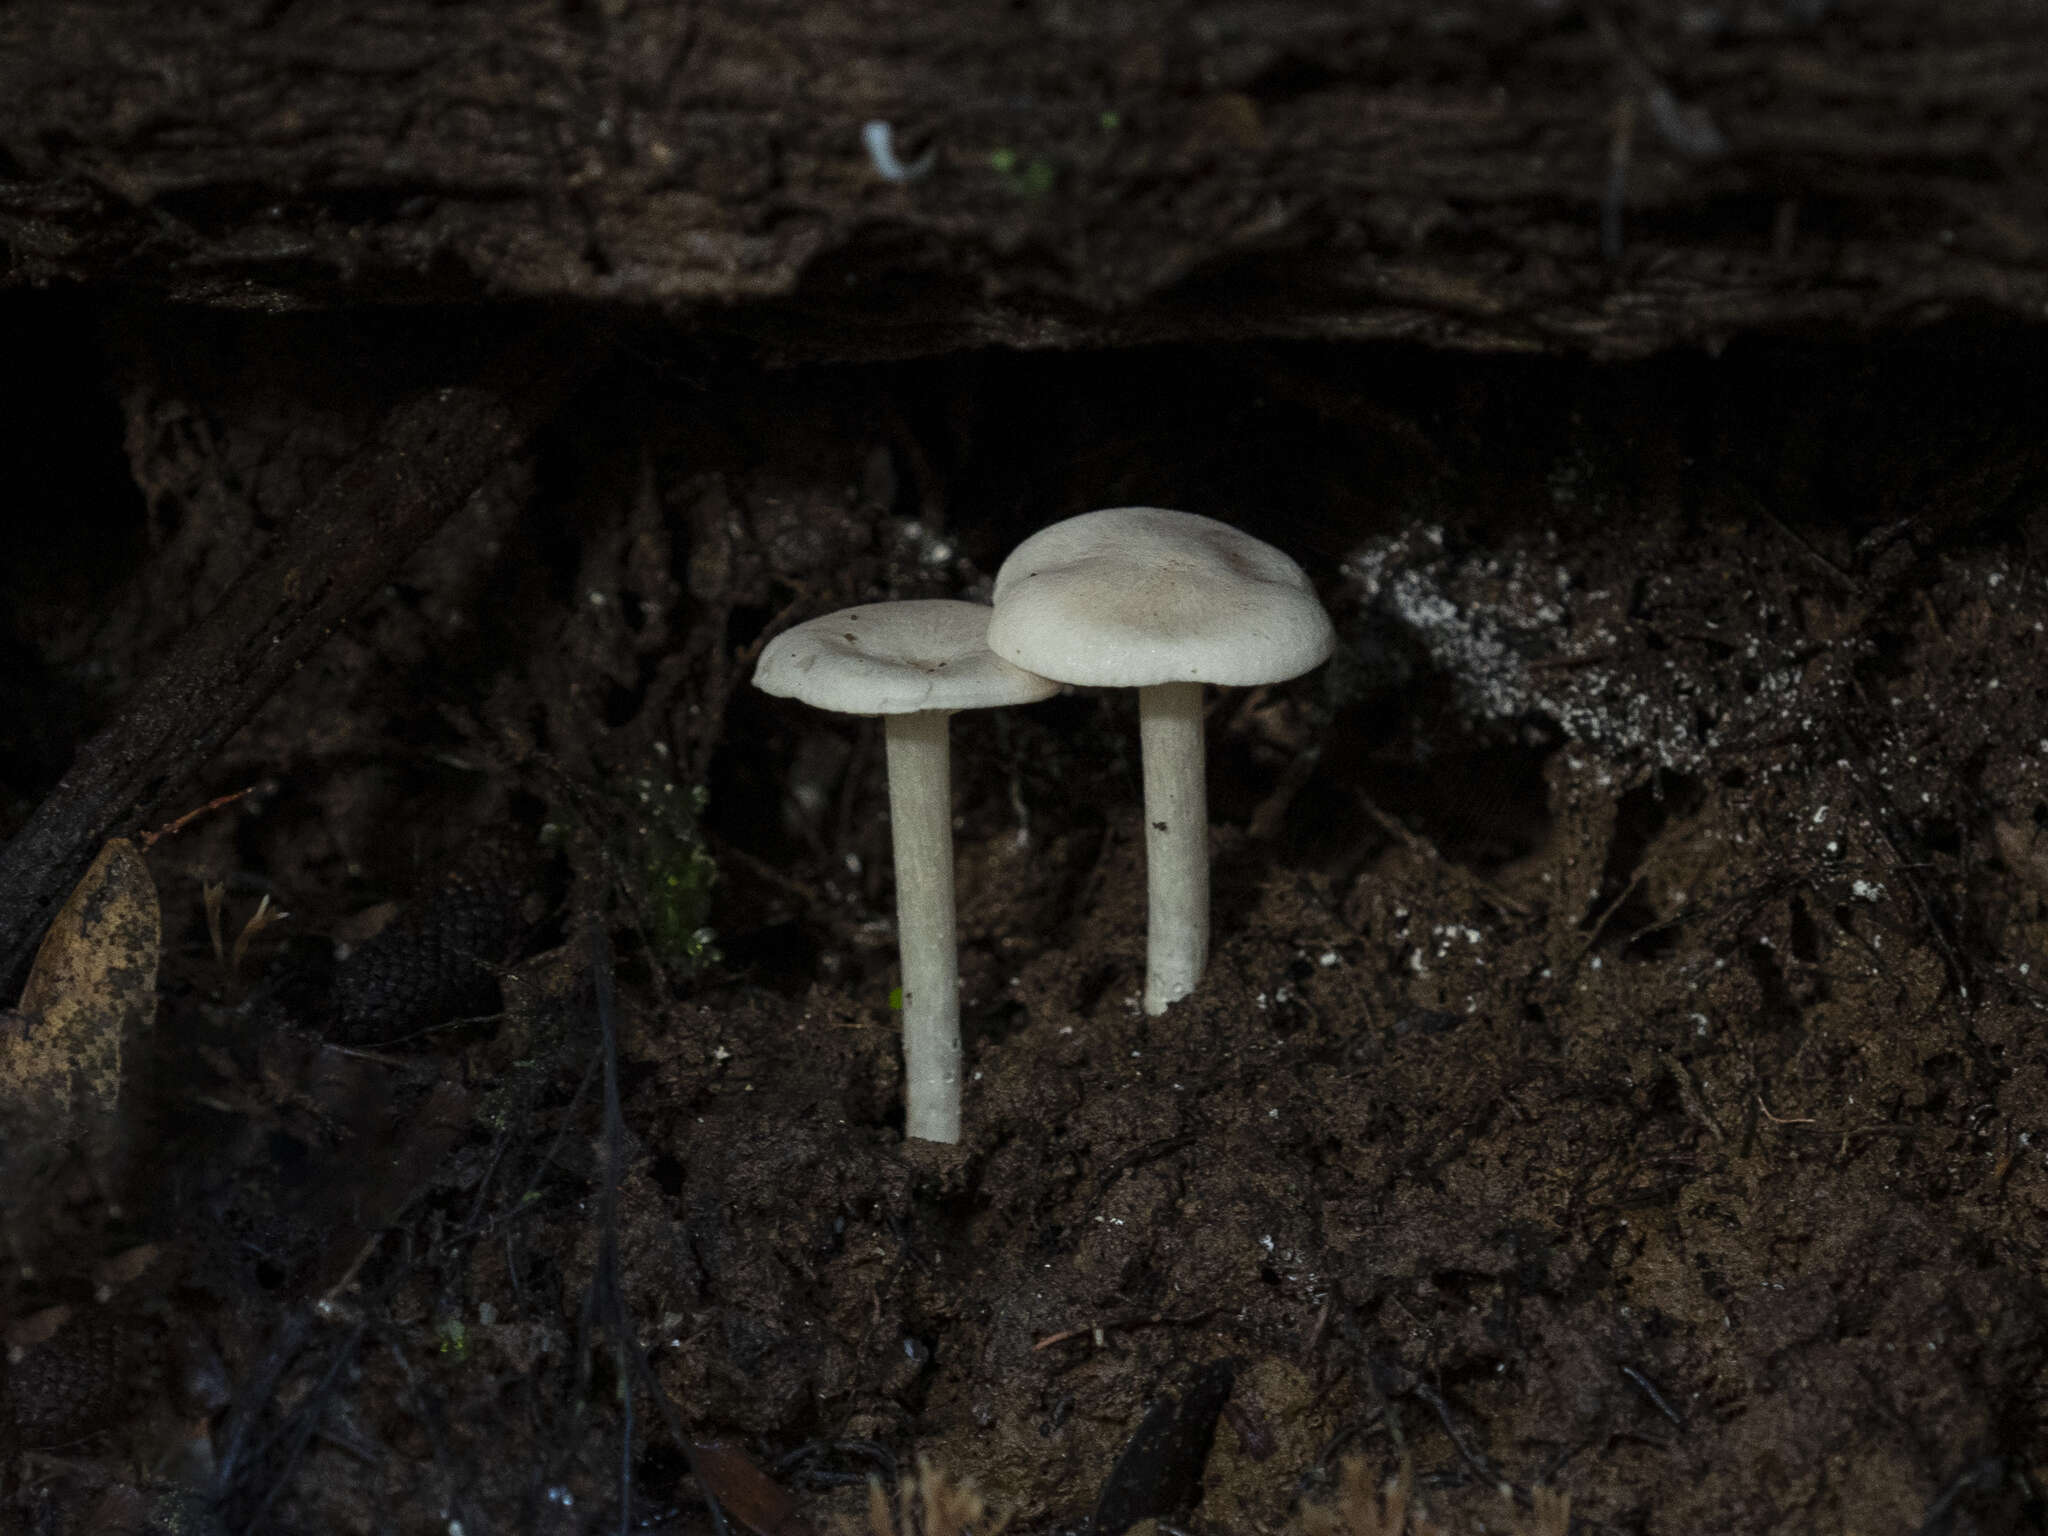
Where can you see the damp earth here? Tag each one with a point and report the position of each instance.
(1620, 1071)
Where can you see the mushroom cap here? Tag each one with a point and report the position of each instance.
(1133, 596)
(896, 659)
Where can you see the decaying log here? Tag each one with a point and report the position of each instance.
(1608, 178)
(431, 453)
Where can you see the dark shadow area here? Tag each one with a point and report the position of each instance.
(1633, 929)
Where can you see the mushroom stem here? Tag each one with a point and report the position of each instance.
(921, 826)
(1176, 841)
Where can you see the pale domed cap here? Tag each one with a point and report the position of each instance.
(896, 659)
(1135, 596)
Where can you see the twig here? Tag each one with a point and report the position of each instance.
(257, 1390)
(429, 1419)
(1982, 1476)
(1472, 1457)
(1122, 1325)
(149, 840)
(1691, 1094)
(306, 1418)
(1777, 1120)
(608, 1294)
(1315, 1334)
(1423, 848)
(1649, 1390)
(1093, 1329)
(1606, 916)
(1804, 547)
(431, 454)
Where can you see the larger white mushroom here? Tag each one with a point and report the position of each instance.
(914, 664)
(1139, 597)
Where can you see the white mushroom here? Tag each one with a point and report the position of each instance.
(914, 664)
(1139, 597)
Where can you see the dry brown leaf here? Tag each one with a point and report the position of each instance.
(94, 979)
(931, 1504)
(749, 1495)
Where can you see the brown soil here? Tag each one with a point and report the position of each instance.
(1620, 1070)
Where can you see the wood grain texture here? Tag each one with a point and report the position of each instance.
(1101, 172)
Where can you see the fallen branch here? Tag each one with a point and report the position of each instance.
(428, 457)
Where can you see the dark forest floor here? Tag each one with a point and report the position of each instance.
(1621, 1069)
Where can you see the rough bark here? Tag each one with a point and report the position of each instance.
(430, 455)
(1606, 178)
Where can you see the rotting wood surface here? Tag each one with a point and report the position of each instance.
(1602, 178)
(430, 454)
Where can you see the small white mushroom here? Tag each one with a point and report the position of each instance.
(1139, 597)
(914, 664)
